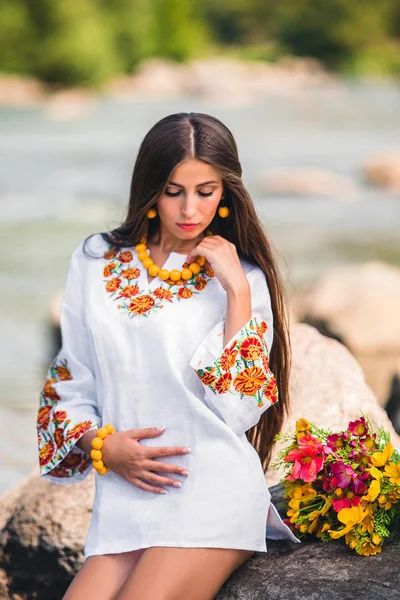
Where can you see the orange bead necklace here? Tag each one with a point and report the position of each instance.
(175, 275)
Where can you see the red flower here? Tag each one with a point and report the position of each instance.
(307, 462)
(224, 383)
(346, 501)
(251, 348)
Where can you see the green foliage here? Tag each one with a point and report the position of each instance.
(178, 34)
(334, 30)
(16, 37)
(86, 41)
(76, 45)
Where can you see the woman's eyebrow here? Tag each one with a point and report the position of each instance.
(198, 185)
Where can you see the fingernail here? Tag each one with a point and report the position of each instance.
(160, 428)
(186, 473)
(177, 484)
(186, 450)
(163, 491)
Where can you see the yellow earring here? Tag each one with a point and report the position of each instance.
(151, 213)
(223, 211)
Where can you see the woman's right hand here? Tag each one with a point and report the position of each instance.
(123, 454)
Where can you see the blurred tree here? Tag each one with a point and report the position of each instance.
(178, 34)
(332, 30)
(75, 45)
(132, 23)
(17, 37)
(237, 21)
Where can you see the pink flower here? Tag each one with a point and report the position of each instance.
(345, 476)
(368, 443)
(307, 461)
(335, 441)
(359, 428)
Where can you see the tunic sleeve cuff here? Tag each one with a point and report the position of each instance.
(61, 461)
(241, 366)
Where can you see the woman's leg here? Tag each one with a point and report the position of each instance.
(181, 573)
(101, 577)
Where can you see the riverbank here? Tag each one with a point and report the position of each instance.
(227, 79)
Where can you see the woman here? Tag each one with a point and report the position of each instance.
(169, 320)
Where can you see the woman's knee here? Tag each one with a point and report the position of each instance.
(174, 573)
(101, 577)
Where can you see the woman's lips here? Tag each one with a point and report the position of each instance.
(183, 226)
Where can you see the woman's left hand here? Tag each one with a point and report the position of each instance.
(223, 258)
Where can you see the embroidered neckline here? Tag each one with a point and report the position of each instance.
(121, 276)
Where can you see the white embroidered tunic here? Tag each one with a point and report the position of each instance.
(142, 355)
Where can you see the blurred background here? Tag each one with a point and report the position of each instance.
(309, 89)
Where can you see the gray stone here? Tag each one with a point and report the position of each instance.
(314, 570)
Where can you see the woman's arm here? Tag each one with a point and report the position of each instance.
(233, 364)
(68, 401)
(238, 310)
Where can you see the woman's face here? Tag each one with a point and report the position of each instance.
(192, 196)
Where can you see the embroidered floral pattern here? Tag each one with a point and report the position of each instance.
(55, 433)
(243, 367)
(120, 275)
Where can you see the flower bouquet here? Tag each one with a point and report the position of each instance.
(343, 484)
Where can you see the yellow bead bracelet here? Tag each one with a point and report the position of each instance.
(97, 444)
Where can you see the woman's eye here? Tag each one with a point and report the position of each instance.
(204, 194)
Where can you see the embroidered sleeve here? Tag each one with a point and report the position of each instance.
(67, 405)
(238, 383)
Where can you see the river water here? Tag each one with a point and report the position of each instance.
(61, 180)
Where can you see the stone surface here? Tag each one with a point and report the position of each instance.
(43, 526)
(359, 305)
(308, 182)
(383, 169)
(314, 570)
(393, 403)
(42, 532)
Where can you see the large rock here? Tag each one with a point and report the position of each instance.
(393, 403)
(43, 526)
(359, 305)
(42, 532)
(313, 570)
(308, 182)
(383, 169)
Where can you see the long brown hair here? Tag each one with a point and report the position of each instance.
(172, 140)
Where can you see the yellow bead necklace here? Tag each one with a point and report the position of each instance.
(175, 275)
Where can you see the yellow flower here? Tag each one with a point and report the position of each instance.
(369, 549)
(375, 473)
(303, 528)
(392, 470)
(293, 503)
(313, 526)
(293, 514)
(387, 501)
(368, 524)
(373, 491)
(379, 459)
(352, 539)
(327, 506)
(304, 492)
(376, 539)
(349, 517)
(302, 426)
(314, 515)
